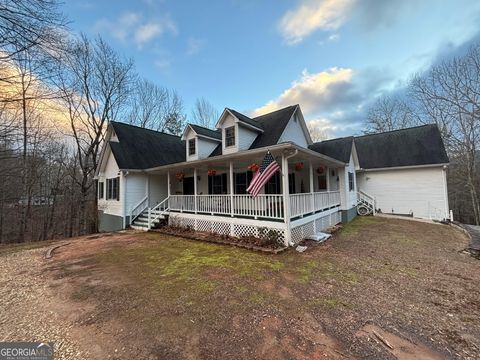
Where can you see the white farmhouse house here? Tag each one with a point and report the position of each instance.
(200, 179)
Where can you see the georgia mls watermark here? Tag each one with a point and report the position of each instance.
(26, 350)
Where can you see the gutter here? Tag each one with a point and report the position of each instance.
(444, 165)
(282, 146)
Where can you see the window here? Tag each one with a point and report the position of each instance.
(230, 136)
(322, 182)
(351, 184)
(100, 189)
(113, 191)
(242, 180)
(191, 147)
(273, 184)
(217, 184)
(291, 183)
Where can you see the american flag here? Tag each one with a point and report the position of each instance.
(268, 168)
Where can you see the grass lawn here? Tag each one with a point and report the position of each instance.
(151, 295)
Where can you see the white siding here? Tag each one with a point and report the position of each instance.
(246, 137)
(158, 188)
(111, 170)
(136, 190)
(348, 198)
(402, 191)
(227, 122)
(191, 135)
(205, 147)
(294, 132)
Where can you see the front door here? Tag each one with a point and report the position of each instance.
(188, 186)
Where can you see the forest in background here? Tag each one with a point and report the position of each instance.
(59, 90)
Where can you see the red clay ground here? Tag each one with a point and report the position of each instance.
(379, 289)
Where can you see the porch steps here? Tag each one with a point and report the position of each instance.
(141, 222)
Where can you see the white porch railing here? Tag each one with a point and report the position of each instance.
(306, 203)
(268, 206)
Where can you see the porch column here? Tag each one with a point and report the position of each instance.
(327, 169)
(231, 188)
(168, 184)
(312, 201)
(195, 187)
(286, 199)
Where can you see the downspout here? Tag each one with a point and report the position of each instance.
(286, 197)
(445, 191)
(124, 198)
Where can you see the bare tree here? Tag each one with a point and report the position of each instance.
(156, 108)
(204, 113)
(449, 94)
(317, 132)
(390, 113)
(32, 23)
(95, 86)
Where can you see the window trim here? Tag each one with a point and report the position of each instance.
(351, 182)
(113, 192)
(101, 190)
(230, 137)
(190, 142)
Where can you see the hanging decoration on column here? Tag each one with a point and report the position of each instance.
(299, 166)
(253, 167)
(212, 172)
(321, 170)
(180, 175)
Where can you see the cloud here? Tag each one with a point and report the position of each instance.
(313, 15)
(132, 26)
(194, 45)
(334, 99)
(329, 15)
(314, 91)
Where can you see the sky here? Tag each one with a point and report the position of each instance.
(333, 57)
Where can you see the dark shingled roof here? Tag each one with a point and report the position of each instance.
(140, 148)
(200, 130)
(421, 145)
(245, 119)
(339, 149)
(273, 125)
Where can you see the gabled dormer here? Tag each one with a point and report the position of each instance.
(237, 130)
(200, 141)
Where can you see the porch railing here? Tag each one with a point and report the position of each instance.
(268, 206)
(306, 203)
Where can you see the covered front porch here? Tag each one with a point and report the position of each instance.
(307, 184)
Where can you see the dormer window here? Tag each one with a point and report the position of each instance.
(191, 147)
(230, 136)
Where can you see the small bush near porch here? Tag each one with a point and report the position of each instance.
(377, 282)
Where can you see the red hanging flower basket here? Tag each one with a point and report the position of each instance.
(299, 166)
(253, 167)
(212, 172)
(180, 176)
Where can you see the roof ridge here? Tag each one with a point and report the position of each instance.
(334, 139)
(203, 127)
(142, 128)
(272, 112)
(397, 130)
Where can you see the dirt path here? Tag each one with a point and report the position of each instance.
(29, 308)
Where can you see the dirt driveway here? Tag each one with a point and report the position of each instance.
(379, 289)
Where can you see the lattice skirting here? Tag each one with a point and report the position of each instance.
(226, 227)
(301, 232)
